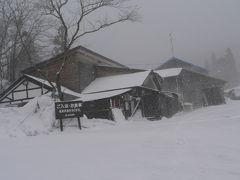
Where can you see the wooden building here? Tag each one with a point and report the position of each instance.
(129, 92)
(192, 83)
(28, 87)
(101, 84)
(179, 63)
(82, 68)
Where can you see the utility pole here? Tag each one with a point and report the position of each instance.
(171, 41)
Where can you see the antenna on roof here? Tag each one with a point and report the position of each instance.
(171, 41)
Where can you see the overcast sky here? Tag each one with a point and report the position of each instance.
(199, 27)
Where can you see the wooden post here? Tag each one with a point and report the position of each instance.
(79, 123)
(61, 124)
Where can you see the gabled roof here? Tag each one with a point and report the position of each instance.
(44, 82)
(117, 82)
(80, 49)
(83, 49)
(171, 72)
(38, 81)
(15, 84)
(174, 59)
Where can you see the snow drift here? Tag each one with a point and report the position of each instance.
(34, 118)
(38, 118)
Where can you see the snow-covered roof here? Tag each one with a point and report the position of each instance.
(169, 72)
(64, 89)
(117, 82)
(102, 95)
(174, 59)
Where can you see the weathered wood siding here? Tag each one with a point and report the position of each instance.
(86, 74)
(69, 77)
(192, 89)
(191, 86)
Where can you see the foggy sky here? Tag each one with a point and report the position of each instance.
(199, 27)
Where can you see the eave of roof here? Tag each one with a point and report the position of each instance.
(102, 95)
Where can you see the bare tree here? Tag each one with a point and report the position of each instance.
(21, 36)
(5, 21)
(30, 29)
(86, 20)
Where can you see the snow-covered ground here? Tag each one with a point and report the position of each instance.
(236, 91)
(203, 144)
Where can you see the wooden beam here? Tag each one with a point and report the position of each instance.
(16, 100)
(27, 89)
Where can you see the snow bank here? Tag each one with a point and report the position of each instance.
(34, 118)
(233, 93)
(38, 118)
(118, 115)
(138, 117)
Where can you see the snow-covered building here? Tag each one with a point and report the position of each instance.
(179, 63)
(99, 82)
(82, 67)
(28, 87)
(191, 82)
(129, 92)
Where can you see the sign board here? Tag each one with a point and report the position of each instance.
(68, 109)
